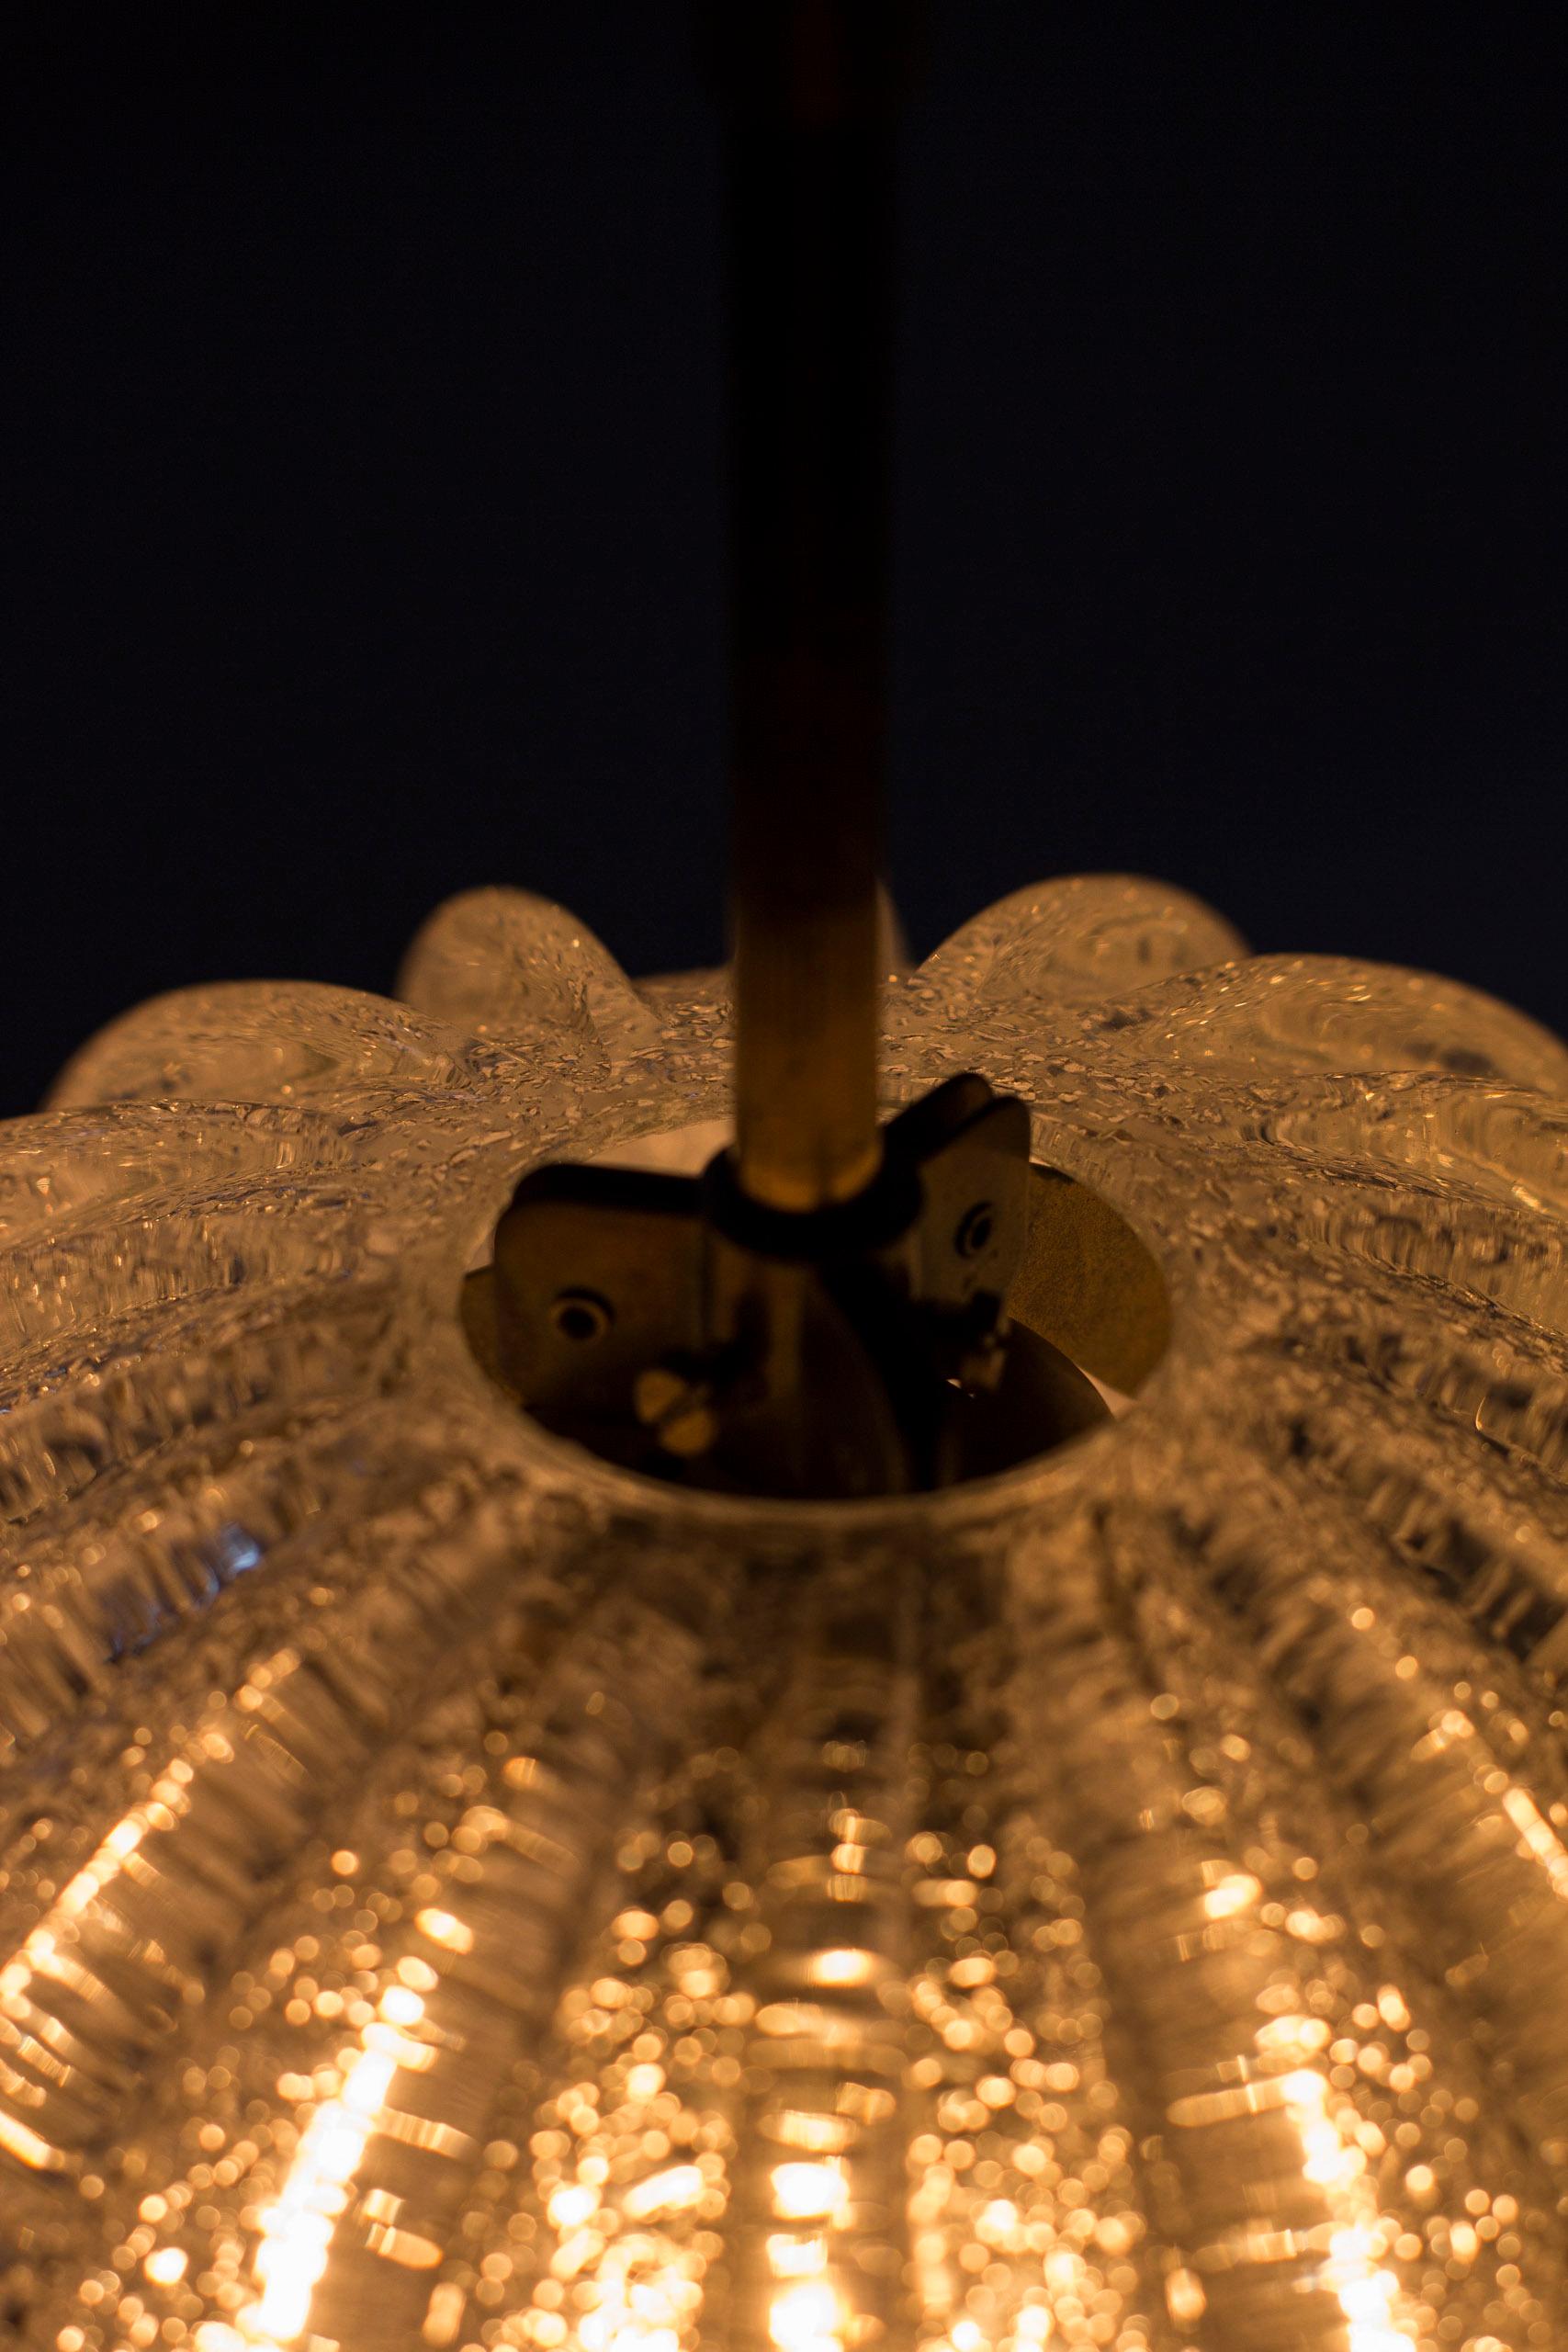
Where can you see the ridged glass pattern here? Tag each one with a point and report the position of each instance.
(453, 1894)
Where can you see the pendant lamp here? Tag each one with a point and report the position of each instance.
(498, 1855)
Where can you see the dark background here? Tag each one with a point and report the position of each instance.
(364, 475)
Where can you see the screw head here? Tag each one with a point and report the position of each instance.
(581, 1316)
(679, 1411)
(975, 1229)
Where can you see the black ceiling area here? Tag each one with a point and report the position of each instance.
(363, 416)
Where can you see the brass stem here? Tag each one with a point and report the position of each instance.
(812, 86)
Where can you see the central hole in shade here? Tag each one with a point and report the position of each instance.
(1087, 1285)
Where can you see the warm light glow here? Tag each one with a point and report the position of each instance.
(808, 2192)
(796, 2257)
(1377, 2315)
(297, 2231)
(1233, 1894)
(442, 1927)
(843, 1967)
(569, 2207)
(807, 2318)
(669, 2191)
(28, 2146)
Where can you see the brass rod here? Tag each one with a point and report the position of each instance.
(811, 86)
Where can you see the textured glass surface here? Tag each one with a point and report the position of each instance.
(451, 1894)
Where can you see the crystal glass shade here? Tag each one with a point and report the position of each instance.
(454, 1894)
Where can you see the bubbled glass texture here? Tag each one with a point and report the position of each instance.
(453, 1894)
